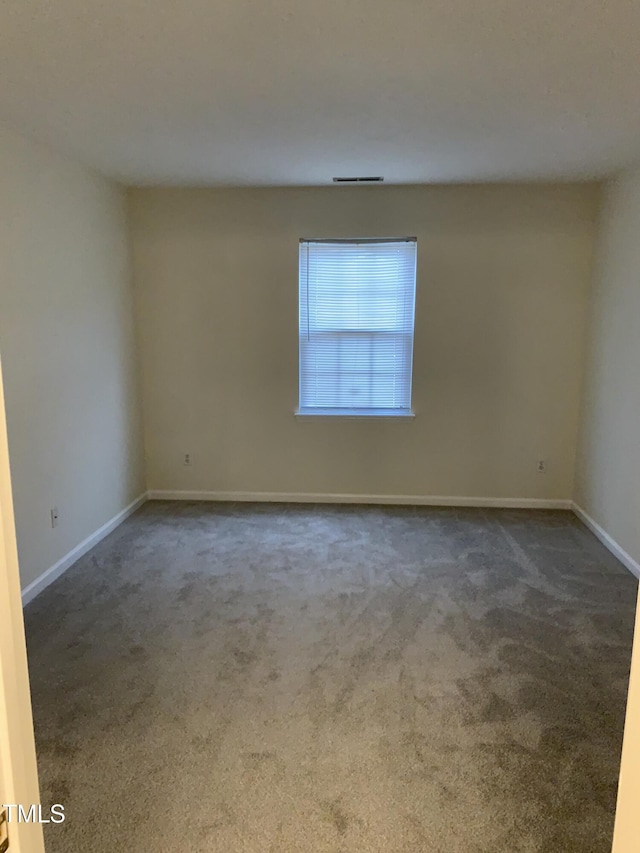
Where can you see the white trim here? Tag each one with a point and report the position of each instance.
(313, 497)
(54, 572)
(608, 541)
(375, 414)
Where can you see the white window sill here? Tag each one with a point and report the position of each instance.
(377, 414)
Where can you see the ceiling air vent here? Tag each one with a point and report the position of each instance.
(367, 180)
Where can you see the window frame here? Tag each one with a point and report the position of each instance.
(370, 412)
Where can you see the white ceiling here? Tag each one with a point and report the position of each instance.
(293, 92)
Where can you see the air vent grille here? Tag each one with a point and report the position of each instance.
(357, 180)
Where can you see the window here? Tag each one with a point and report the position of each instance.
(357, 305)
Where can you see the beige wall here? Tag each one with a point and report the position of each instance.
(608, 471)
(501, 306)
(66, 337)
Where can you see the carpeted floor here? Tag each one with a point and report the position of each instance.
(255, 678)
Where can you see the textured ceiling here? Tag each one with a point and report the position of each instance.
(283, 92)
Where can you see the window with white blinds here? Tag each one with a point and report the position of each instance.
(357, 307)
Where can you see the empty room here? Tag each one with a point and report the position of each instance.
(320, 427)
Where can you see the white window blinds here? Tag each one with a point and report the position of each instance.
(357, 305)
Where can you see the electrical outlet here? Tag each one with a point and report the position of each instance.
(186, 459)
(541, 467)
(4, 831)
(54, 516)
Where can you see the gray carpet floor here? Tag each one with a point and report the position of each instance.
(336, 679)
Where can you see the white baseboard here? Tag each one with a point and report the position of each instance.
(313, 497)
(608, 541)
(54, 572)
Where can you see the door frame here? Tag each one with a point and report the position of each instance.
(18, 767)
(626, 837)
